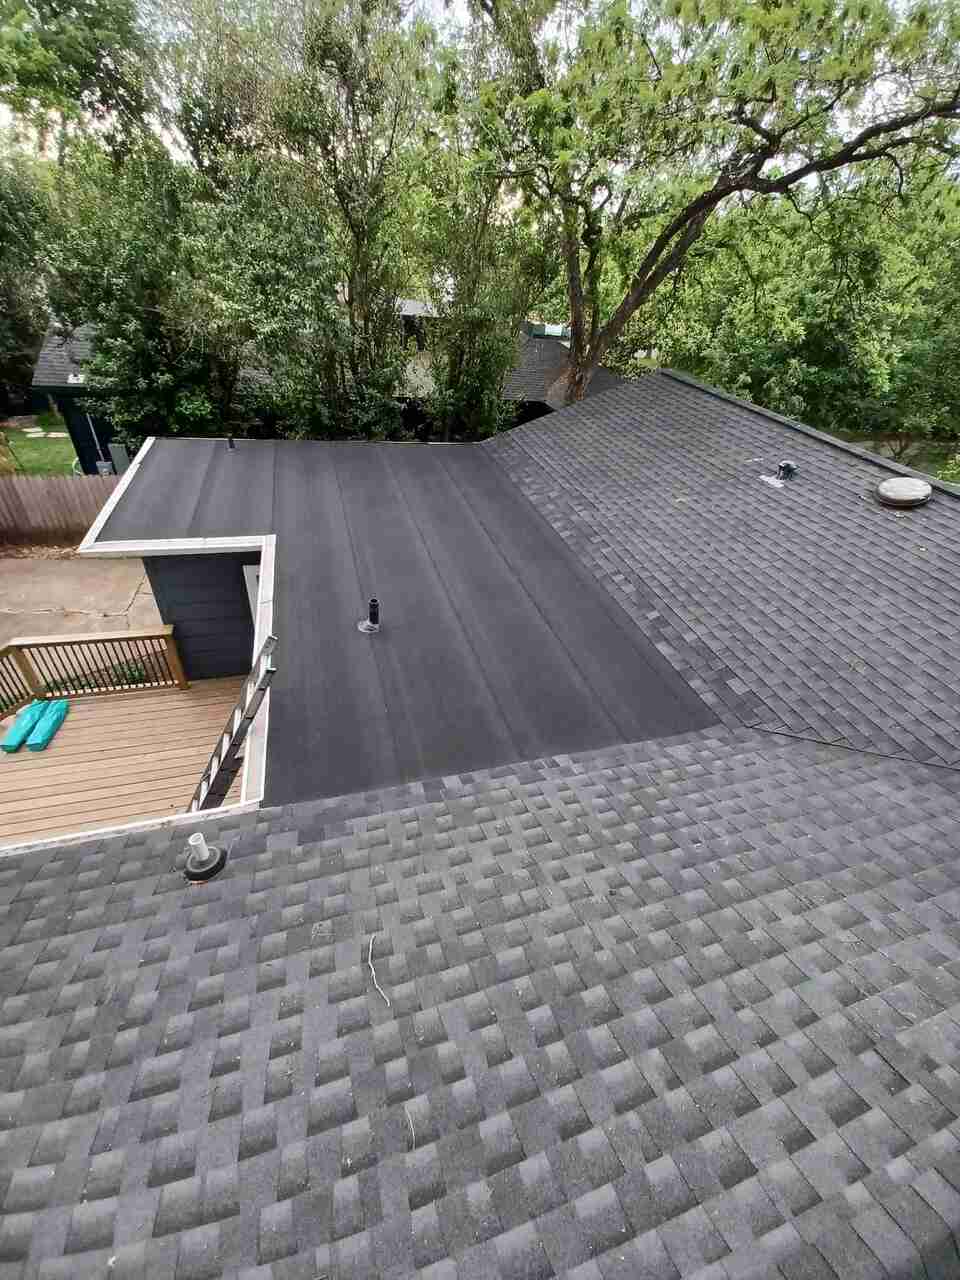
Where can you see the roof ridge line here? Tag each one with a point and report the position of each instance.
(897, 467)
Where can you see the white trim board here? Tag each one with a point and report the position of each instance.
(107, 510)
(254, 780)
(127, 828)
(173, 546)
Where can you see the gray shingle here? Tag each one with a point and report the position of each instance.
(519, 1108)
(61, 358)
(538, 365)
(810, 610)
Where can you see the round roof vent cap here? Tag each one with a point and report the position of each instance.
(203, 860)
(904, 491)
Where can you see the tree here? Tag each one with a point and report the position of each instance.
(843, 311)
(82, 59)
(25, 213)
(197, 289)
(637, 125)
(485, 265)
(215, 65)
(349, 116)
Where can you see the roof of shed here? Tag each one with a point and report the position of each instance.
(687, 1007)
(61, 357)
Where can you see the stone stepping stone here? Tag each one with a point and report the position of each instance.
(58, 435)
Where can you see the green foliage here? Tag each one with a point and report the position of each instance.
(82, 58)
(50, 420)
(639, 123)
(197, 288)
(245, 192)
(40, 455)
(844, 313)
(24, 226)
(348, 115)
(484, 264)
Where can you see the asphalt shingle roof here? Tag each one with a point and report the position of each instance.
(539, 363)
(682, 1008)
(810, 610)
(62, 356)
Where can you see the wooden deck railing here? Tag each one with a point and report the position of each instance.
(70, 666)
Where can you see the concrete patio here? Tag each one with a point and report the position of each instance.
(73, 596)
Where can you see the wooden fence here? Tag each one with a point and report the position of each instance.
(50, 508)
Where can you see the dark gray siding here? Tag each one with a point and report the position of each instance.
(206, 600)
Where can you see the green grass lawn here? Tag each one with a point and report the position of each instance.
(39, 455)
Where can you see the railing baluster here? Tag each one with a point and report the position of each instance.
(40, 669)
(12, 686)
(159, 664)
(163, 664)
(120, 667)
(88, 661)
(142, 672)
(55, 674)
(13, 681)
(55, 659)
(88, 664)
(53, 666)
(83, 673)
(104, 658)
(140, 662)
(129, 664)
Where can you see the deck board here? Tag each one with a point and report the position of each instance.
(117, 758)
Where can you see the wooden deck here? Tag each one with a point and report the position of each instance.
(117, 758)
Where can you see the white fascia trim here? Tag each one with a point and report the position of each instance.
(255, 751)
(173, 546)
(128, 828)
(110, 505)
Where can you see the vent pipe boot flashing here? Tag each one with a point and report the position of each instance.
(204, 860)
(370, 625)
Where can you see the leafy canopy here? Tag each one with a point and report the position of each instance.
(637, 124)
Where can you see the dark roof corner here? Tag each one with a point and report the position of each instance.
(60, 361)
(540, 367)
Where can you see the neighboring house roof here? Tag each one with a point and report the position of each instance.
(540, 363)
(686, 1007)
(60, 361)
(61, 357)
(415, 309)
